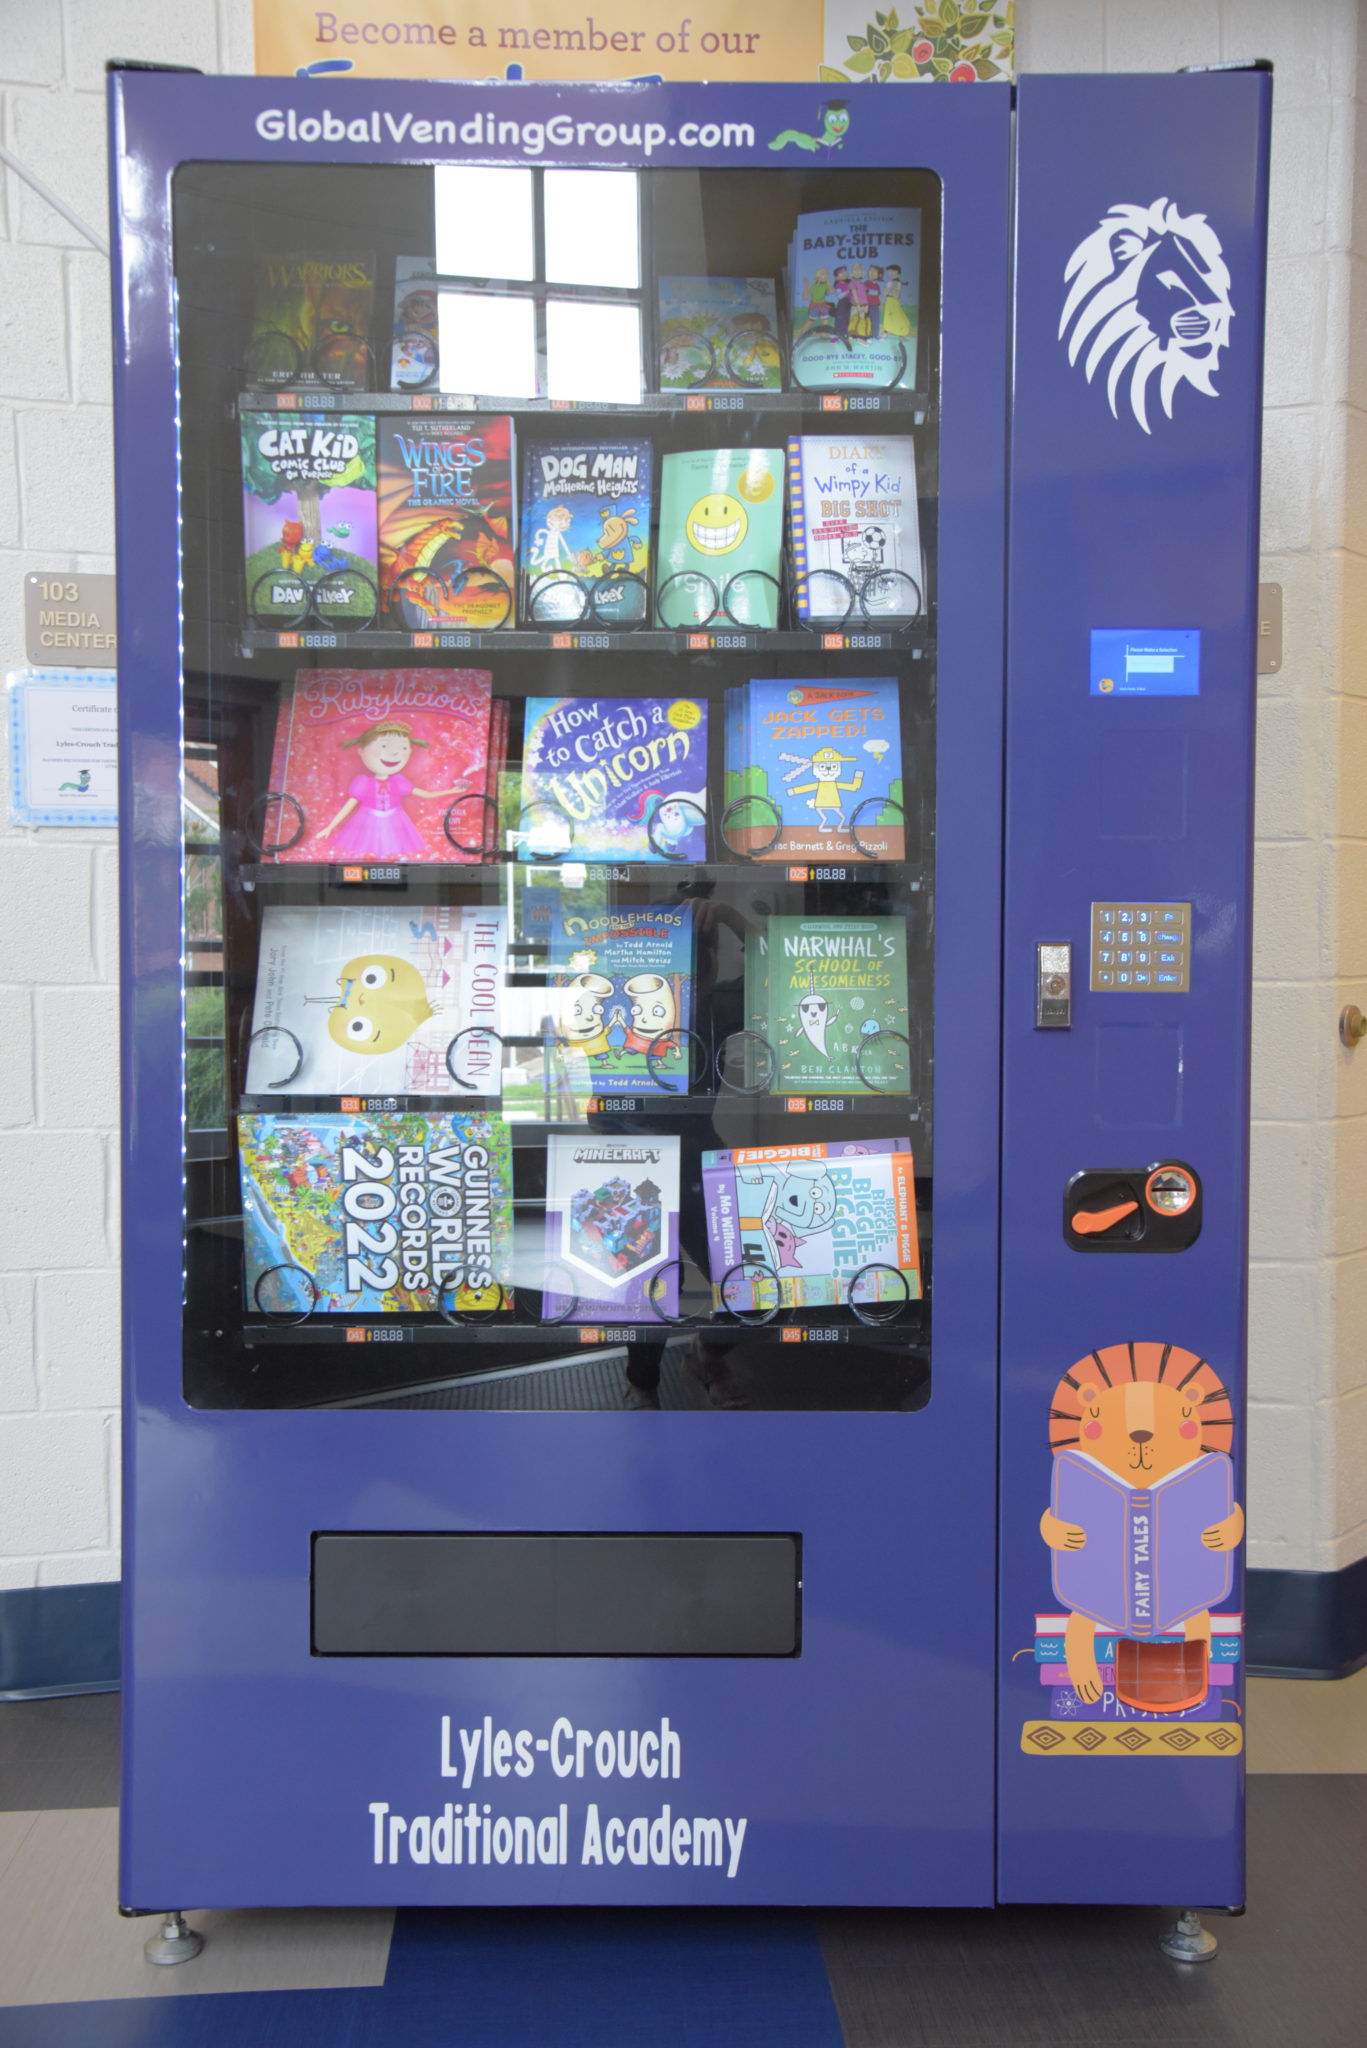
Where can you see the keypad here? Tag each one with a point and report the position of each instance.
(1141, 948)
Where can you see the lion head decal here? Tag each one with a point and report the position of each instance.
(1148, 290)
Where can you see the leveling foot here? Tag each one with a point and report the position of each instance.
(1189, 1941)
(176, 1943)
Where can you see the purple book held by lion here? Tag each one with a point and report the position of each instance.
(1144, 1568)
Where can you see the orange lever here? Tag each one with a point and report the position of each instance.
(1087, 1222)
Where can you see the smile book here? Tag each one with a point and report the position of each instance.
(822, 765)
(816, 1218)
(721, 538)
(614, 779)
(375, 1214)
(369, 762)
(854, 528)
(446, 504)
(831, 989)
(586, 516)
(375, 997)
(623, 996)
(612, 1229)
(308, 515)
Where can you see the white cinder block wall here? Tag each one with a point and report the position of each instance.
(58, 957)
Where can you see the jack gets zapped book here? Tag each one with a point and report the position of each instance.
(821, 765)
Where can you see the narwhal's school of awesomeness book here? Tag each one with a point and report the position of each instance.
(612, 1229)
(833, 987)
(378, 999)
(821, 763)
(720, 547)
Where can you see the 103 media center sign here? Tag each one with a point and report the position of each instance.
(837, 41)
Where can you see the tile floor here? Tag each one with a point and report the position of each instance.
(1292, 1973)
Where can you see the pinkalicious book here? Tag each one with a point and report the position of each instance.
(854, 279)
(446, 504)
(367, 1214)
(612, 1229)
(623, 994)
(721, 538)
(811, 1219)
(308, 513)
(375, 764)
(311, 321)
(614, 778)
(586, 523)
(822, 766)
(834, 994)
(718, 334)
(378, 999)
(854, 528)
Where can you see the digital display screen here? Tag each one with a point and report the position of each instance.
(1145, 661)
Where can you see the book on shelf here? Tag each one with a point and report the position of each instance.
(822, 992)
(854, 528)
(375, 1214)
(623, 996)
(309, 516)
(815, 1217)
(311, 320)
(414, 357)
(369, 763)
(448, 521)
(380, 998)
(586, 517)
(612, 1229)
(853, 280)
(1051, 1650)
(718, 334)
(720, 544)
(614, 779)
(1144, 1567)
(820, 764)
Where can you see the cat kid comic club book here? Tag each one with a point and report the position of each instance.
(308, 515)
(586, 522)
(446, 498)
(378, 999)
(812, 1217)
(615, 778)
(821, 766)
(623, 982)
(387, 765)
(612, 1229)
(375, 1214)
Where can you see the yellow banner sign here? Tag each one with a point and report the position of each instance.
(545, 39)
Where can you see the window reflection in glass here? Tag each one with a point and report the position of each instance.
(593, 351)
(484, 221)
(487, 344)
(593, 228)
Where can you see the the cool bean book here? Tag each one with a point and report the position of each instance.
(612, 1229)
(854, 279)
(378, 999)
(822, 766)
(308, 513)
(1143, 1568)
(721, 537)
(816, 1216)
(373, 1214)
(371, 764)
(586, 515)
(615, 778)
(823, 992)
(854, 528)
(446, 492)
(623, 995)
(718, 334)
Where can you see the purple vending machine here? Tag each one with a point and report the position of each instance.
(567, 704)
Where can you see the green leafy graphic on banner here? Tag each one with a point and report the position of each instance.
(948, 43)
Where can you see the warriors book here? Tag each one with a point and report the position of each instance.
(376, 1214)
(721, 537)
(382, 765)
(612, 1229)
(308, 512)
(822, 765)
(311, 321)
(615, 778)
(586, 517)
(1144, 1567)
(446, 505)
(378, 999)
(853, 284)
(831, 989)
(718, 334)
(623, 1001)
(854, 529)
(806, 1221)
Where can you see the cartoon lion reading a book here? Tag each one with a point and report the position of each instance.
(1142, 1519)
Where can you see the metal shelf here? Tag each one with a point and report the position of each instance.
(912, 406)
